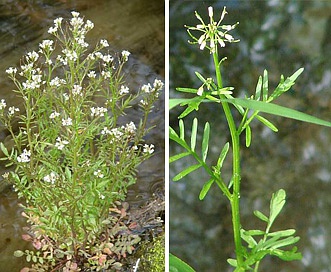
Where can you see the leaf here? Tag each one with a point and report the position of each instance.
(205, 141)
(222, 156)
(276, 205)
(178, 156)
(258, 89)
(181, 129)
(267, 123)
(4, 149)
(248, 136)
(194, 133)
(203, 80)
(287, 255)
(265, 86)
(205, 189)
(176, 101)
(261, 216)
(177, 265)
(277, 110)
(248, 238)
(282, 233)
(232, 262)
(18, 253)
(284, 86)
(254, 232)
(186, 90)
(285, 242)
(186, 172)
(174, 136)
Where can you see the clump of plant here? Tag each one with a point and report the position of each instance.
(73, 159)
(152, 255)
(251, 246)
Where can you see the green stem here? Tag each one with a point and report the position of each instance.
(235, 200)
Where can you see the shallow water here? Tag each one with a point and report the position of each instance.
(279, 36)
(137, 26)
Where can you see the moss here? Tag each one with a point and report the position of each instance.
(152, 258)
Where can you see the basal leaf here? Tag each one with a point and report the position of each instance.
(194, 133)
(283, 233)
(186, 171)
(287, 255)
(205, 189)
(261, 216)
(276, 205)
(205, 141)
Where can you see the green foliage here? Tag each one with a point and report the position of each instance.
(249, 108)
(152, 258)
(73, 158)
(177, 265)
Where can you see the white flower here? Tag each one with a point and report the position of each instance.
(12, 110)
(200, 90)
(67, 122)
(89, 25)
(52, 30)
(104, 43)
(105, 74)
(54, 114)
(158, 84)
(25, 156)
(65, 96)
(58, 21)
(47, 44)
(51, 178)
(60, 143)
(107, 58)
(130, 128)
(148, 148)
(57, 82)
(77, 90)
(125, 55)
(143, 103)
(91, 74)
(99, 111)
(75, 14)
(146, 88)
(98, 174)
(102, 196)
(11, 71)
(32, 56)
(124, 90)
(2, 104)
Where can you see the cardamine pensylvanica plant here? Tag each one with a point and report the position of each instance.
(72, 158)
(251, 246)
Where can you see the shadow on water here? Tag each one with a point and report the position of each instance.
(136, 26)
(279, 36)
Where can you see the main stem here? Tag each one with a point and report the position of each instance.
(235, 199)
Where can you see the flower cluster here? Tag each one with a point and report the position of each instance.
(213, 33)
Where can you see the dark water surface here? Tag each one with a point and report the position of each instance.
(280, 36)
(136, 26)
